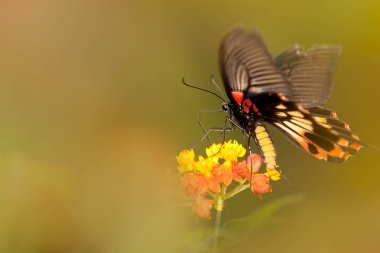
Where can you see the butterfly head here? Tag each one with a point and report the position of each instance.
(226, 107)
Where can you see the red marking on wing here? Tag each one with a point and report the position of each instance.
(256, 110)
(238, 96)
(247, 104)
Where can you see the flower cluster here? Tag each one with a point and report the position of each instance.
(206, 179)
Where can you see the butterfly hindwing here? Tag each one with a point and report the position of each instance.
(309, 72)
(317, 131)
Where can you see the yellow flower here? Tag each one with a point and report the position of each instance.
(205, 180)
(232, 150)
(227, 165)
(273, 174)
(213, 150)
(186, 161)
(205, 165)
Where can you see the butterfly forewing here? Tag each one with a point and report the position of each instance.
(247, 66)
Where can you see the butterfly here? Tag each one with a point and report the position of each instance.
(287, 92)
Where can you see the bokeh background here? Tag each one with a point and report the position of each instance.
(93, 112)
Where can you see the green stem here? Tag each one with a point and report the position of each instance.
(219, 205)
(235, 191)
(218, 220)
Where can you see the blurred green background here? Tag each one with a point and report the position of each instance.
(93, 112)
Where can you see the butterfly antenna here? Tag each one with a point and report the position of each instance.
(191, 86)
(217, 86)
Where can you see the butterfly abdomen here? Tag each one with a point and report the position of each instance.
(265, 145)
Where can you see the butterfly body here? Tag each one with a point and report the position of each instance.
(287, 92)
(246, 119)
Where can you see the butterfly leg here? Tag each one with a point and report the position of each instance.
(224, 129)
(234, 124)
(250, 157)
(221, 130)
(200, 122)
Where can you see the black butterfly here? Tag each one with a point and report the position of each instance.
(286, 92)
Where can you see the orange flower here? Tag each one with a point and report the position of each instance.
(220, 168)
(191, 185)
(243, 169)
(212, 184)
(197, 184)
(202, 207)
(239, 171)
(254, 162)
(224, 174)
(260, 184)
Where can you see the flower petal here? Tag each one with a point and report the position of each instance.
(213, 184)
(254, 162)
(185, 160)
(227, 177)
(213, 150)
(206, 165)
(202, 207)
(260, 184)
(274, 174)
(232, 150)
